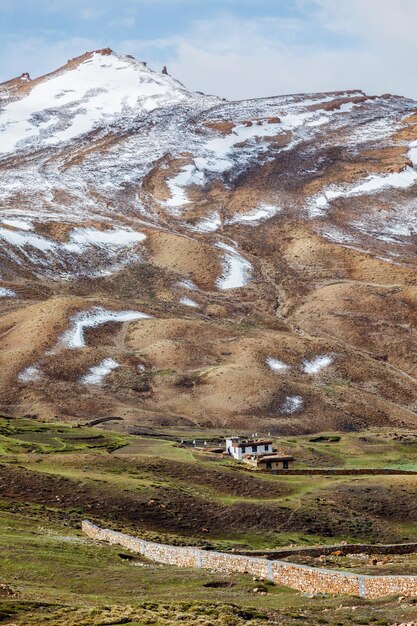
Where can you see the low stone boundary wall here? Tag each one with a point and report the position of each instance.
(301, 577)
(346, 548)
(340, 471)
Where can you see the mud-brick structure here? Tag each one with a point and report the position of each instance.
(270, 462)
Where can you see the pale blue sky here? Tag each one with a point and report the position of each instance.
(234, 48)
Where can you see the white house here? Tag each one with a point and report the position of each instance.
(237, 447)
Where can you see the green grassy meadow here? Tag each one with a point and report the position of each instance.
(53, 475)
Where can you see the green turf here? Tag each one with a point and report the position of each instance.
(51, 574)
(54, 575)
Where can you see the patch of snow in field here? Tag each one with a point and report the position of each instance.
(71, 255)
(315, 365)
(74, 337)
(218, 154)
(236, 269)
(372, 184)
(398, 180)
(21, 239)
(291, 121)
(81, 237)
(189, 175)
(292, 404)
(7, 293)
(17, 223)
(209, 224)
(97, 373)
(412, 153)
(221, 146)
(390, 226)
(276, 365)
(336, 235)
(346, 107)
(187, 283)
(324, 119)
(188, 302)
(263, 212)
(30, 374)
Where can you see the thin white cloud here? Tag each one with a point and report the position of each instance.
(328, 45)
(39, 56)
(375, 50)
(123, 22)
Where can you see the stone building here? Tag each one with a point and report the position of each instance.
(270, 462)
(237, 447)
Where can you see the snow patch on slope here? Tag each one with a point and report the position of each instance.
(17, 223)
(263, 212)
(30, 374)
(189, 175)
(209, 224)
(315, 365)
(372, 184)
(236, 270)
(187, 283)
(48, 253)
(74, 337)
(98, 373)
(188, 302)
(276, 365)
(7, 293)
(115, 237)
(292, 405)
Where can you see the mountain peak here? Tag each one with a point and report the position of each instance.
(99, 88)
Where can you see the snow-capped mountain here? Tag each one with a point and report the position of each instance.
(205, 239)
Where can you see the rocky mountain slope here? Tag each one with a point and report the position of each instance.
(173, 258)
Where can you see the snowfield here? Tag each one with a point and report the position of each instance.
(189, 175)
(72, 103)
(87, 136)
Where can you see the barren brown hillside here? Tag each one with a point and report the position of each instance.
(175, 259)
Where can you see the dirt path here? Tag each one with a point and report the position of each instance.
(120, 337)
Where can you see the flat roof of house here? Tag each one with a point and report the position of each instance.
(246, 444)
(275, 457)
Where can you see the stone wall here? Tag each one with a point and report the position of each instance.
(300, 577)
(345, 548)
(340, 471)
